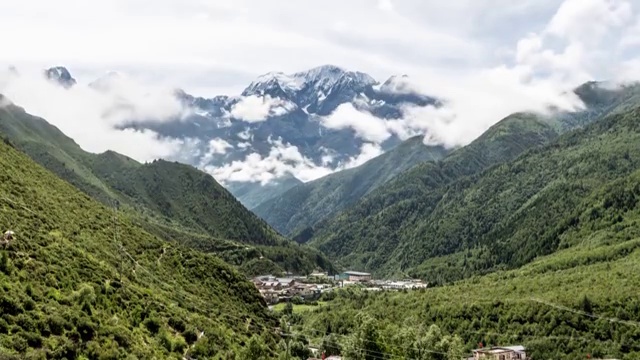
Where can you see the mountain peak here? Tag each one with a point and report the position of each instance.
(107, 80)
(61, 75)
(319, 72)
(398, 84)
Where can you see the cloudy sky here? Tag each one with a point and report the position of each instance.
(488, 57)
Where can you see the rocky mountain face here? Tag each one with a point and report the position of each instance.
(282, 113)
(60, 75)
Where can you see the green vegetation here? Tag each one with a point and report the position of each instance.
(252, 194)
(305, 205)
(580, 300)
(298, 308)
(478, 210)
(77, 283)
(173, 201)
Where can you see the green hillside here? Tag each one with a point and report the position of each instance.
(467, 203)
(171, 200)
(252, 194)
(576, 302)
(305, 205)
(77, 282)
(576, 199)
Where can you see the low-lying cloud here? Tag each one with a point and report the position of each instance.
(284, 159)
(365, 125)
(92, 116)
(255, 108)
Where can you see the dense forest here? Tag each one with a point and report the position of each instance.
(577, 302)
(79, 281)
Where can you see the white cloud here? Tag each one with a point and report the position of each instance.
(257, 108)
(589, 20)
(282, 159)
(219, 146)
(215, 147)
(486, 60)
(367, 152)
(245, 134)
(366, 126)
(90, 117)
(285, 159)
(385, 5)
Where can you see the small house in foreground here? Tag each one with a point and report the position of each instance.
(500, 353)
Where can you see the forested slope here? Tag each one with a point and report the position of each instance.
(175, 201)
(440, 208)
(76, 280)
(578, 302)
(306, 204)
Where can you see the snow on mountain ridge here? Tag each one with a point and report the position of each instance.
(316, 80)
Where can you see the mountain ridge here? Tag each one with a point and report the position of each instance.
(78, 281)
(399, 207)
(170, 200)
(293, 109)
(303, 206)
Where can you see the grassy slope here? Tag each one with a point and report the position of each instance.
(171, 200)
(306, 204)
(59, 278)
(387, 231)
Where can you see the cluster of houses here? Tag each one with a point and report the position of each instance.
(282, 289)
(516, 352)
(309, 288)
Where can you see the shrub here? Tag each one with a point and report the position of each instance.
(56, 324)
(190, 335)
(152, 324)
(177, 323)
(179, 345)
(165, 341)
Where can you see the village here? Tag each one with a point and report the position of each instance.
(306, 289)
(309, 288)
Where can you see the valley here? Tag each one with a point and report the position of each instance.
(282, 180)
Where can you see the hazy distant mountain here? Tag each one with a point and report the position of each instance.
(60, 75)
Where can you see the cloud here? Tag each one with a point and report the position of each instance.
(285, 159)
(366, 126)
(258, 108)
(215, 147)
(91, 117)
(385, 5)
(367, 152)
(485, 60)
(589, 20)
(282, 159)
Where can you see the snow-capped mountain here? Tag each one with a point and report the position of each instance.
(292, 107)
(304, 124)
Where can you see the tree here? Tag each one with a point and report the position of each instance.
(365, 342)
(288, 308)
(255, 349)
(330, 345)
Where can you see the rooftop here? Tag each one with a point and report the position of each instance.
(357, 273)
(501, 349)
